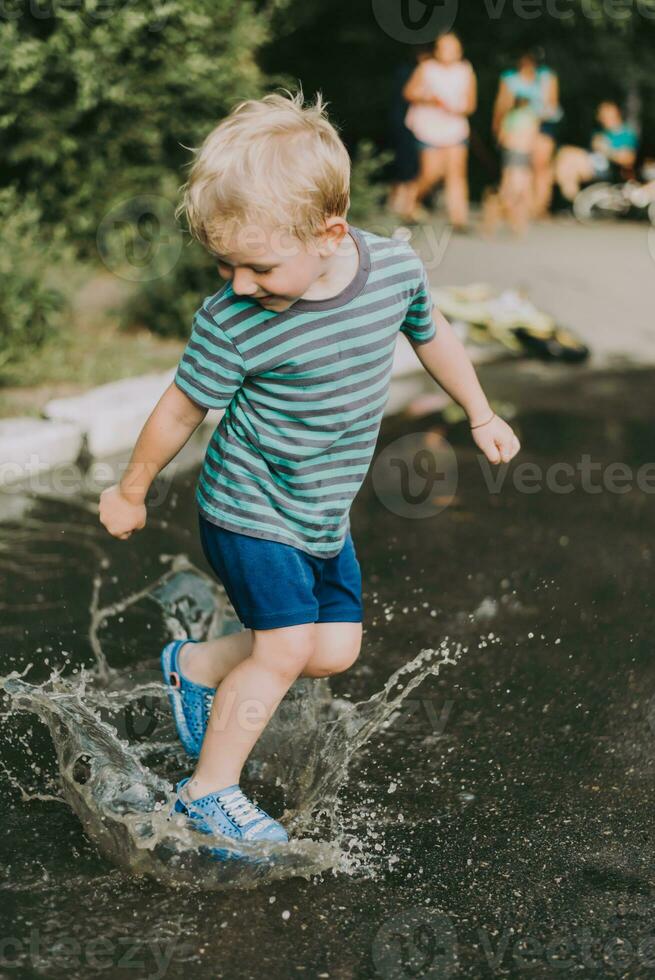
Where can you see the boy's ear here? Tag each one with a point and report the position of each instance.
(336, 230)
(327, 241)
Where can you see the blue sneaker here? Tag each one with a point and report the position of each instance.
(190, 702)
(228, 812)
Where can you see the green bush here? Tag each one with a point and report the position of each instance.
(166, 305)
(100, 103)
(367, 189)
(100, 98)
(31, 307)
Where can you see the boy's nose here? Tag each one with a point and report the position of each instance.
(242, 284)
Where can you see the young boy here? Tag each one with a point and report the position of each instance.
(612, 155)
(517, 136)
(297, 347)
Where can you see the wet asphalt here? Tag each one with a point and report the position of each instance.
(510, 807)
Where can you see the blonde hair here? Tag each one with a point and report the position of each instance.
(273, 162)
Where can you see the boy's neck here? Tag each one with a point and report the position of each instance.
(340, 270)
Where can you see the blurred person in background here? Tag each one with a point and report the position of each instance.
(406, 160)
(612, 155)
(442, 93)
(517, 136)
(539, 86)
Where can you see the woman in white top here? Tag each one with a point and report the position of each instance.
(443, 94)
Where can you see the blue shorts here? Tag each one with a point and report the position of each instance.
(431, 146)
(271, 584)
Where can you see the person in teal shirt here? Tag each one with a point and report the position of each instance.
(611, 156)
(538, 86)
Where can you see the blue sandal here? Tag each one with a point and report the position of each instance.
(190, 702)
(229, 812)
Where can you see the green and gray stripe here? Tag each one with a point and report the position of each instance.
(304, 393)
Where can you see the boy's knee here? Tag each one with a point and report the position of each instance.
(335, 660)
(286, 650)
(347, 658)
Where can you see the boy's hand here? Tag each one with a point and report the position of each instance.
(119, 515)
(496, 439)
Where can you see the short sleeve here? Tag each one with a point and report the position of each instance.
(418, 325)
(211, 369)
(630, 139)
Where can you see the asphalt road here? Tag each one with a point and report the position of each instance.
(598, 279)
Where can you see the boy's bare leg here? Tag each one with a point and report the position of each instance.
(249, 694)
(516, 190)
(209, 662)
(245, 702)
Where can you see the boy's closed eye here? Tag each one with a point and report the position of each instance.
(226, 269)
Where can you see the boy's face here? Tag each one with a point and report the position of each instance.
(275, 269)
(608, 115)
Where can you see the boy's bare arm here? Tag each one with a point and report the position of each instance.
(168, 428)
(446, 360)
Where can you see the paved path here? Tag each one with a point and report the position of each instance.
(598, 279)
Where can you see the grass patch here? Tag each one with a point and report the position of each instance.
(94, 347)
(91, 350)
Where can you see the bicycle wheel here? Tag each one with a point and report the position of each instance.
(599, 201)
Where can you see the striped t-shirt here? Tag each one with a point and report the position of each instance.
(304, 392)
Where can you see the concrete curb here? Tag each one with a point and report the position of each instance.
(30, 446)
(111, 415)
(107, 420)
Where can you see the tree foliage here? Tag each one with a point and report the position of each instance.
(32, 306)
(100, 103)
(99, 100)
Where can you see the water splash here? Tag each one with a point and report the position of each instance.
(118, 756)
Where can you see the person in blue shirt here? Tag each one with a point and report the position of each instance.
(611, 156)
(537, 85)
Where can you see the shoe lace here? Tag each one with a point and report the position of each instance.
(208, 698)
(240, 808)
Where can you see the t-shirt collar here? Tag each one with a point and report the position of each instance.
(349, 292)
